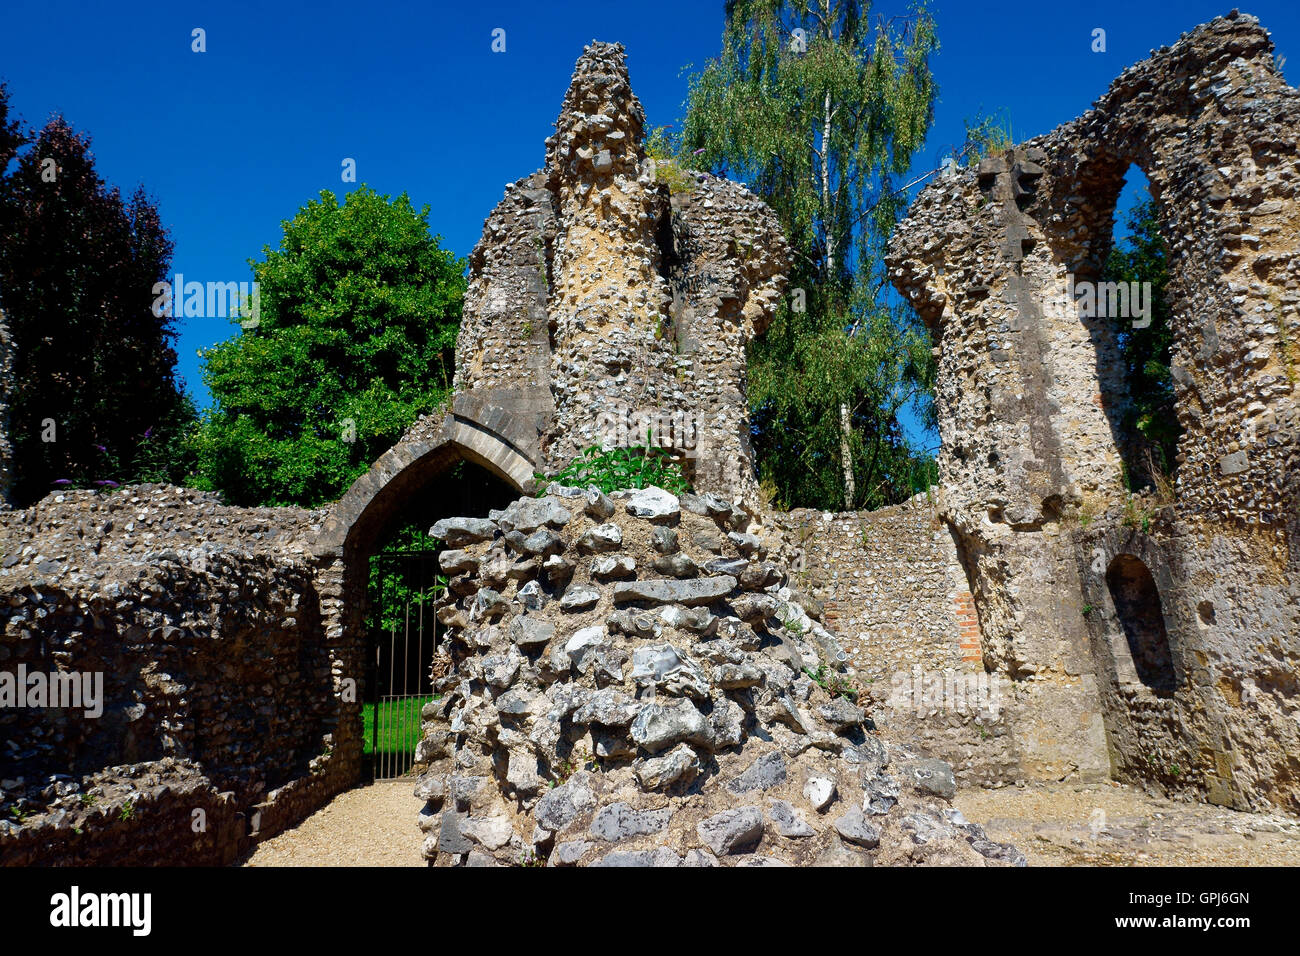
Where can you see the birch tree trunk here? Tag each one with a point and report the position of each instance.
(846, 420)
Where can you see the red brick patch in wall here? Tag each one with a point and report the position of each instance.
(968, 627)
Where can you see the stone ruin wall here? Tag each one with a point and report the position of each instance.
(627, 683)
(218, 637)
(891, 584)
(595, 290)
(593, 258)
(1030, 400)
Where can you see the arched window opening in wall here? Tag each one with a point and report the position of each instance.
(1137, 605)
(1132, 288)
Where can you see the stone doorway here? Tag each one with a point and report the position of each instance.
(404, 585)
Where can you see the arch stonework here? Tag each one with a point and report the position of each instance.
(476, 430)
(1031, 397)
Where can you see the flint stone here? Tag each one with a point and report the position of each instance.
(608, 706)
(699, 858)
(451, 839)
(583, 642)
(679, 764)
(561, 806)
(569, 852)
(870, 756)
(613, 566)
(764, 773)
(715, 506)
(736, 676)
(754, 608)
(457, 562)
(659, 856)
(618, 822)
(527, 631)
(567, 698)
(759, 576)
(692, 593)
(924, 828)
(431, 787)
(611, 743)
(635, 623)
(677, 565)
(853, 826)
(580, 599)
(455, 532)
(664, 540)
(501, 670)
(708, 539)
(694, 504)
(699, 620)
(488, 604)
(728, 723)
(513, 704)
(731, 830)
(653, 504)
(521, 772)
(531, 596)
(542, 541)
(841, 714)
(732, 566)
(493, 832)
(598, 505)
(660, 726)
(529, 514)
(557, 568)
(603, 537)
(557, 490)
(664, 666)
(655, 662)
(788, 821)
(929, 776)
(819, 791)
(1002, 852)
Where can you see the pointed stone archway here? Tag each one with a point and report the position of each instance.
(483, 433)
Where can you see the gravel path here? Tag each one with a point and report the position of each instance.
(1054, 824)
(1119, 825)
(366, 826)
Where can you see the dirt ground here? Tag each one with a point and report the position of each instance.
(1119, 825)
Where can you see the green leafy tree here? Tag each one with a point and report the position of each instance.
(355, 338)
(1151, 422)
(94, 397)
(821, 114)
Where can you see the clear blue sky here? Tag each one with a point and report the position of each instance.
(233, 141)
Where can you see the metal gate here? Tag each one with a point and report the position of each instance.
(403, 637)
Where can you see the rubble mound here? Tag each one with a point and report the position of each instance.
(626, 681)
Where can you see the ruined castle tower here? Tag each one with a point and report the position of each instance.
(1159, 635)
(602, 302)
(613, 342)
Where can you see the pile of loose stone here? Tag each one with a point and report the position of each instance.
(630, 683)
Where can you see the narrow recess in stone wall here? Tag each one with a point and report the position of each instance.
(1137, 605)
